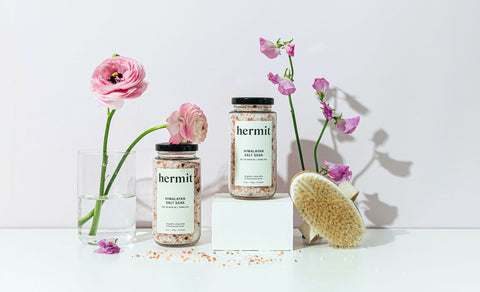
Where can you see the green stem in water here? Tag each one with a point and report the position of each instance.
(318, 142)
(98, 203)
(117, 170)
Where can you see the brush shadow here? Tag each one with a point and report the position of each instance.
(381, 236)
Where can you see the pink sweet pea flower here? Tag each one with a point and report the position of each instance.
(290, 49)
(117, 79)
(273, 78)
(269, 49)
(321, 85)
(347, 126)
(285, 85)
(327, 111)
(338, 172)
(108, 246)
(187, 124)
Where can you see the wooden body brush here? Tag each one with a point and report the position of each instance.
(327, 209)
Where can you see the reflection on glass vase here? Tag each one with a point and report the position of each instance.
(106, 210)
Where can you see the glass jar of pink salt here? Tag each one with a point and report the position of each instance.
(253, 148)
(176, 195)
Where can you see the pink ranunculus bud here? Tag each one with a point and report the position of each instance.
(117, 79)
(321, 85)
(269, 49)
(338, 172)
(327, 111)
(187, 124)
(290, 49)
(347, 126)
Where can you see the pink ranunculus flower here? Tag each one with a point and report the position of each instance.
(327, 111)
(269, 49)
(108, 246)
(321, 85)
(290, 49)
(347, 126)
(285, 85)
(187, 124)
(117, 79)
(338, 172)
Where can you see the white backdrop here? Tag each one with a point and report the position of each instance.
(410, 69)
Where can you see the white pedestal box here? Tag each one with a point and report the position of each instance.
(252, 224)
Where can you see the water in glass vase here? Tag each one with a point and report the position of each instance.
(117, 219)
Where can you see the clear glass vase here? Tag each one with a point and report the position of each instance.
(111, 215)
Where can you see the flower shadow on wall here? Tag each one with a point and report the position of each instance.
(379, 213)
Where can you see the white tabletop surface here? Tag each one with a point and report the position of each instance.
(387, 260)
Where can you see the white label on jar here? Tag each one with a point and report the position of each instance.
(175, 200)
(253, 153)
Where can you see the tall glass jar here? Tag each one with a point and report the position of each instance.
(176, 195)
(253, 148)
(110, 214)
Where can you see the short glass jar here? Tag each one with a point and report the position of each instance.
(176, 195)
(253, 148)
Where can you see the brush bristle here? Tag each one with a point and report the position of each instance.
(327, 209)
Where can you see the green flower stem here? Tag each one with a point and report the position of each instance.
(291, 66)
(98, 203)
(117, 170)
(292, 111)
(296, 131)
(316, 145)
(110, 183)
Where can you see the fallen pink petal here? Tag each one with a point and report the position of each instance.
(107, 247)
(348, 126)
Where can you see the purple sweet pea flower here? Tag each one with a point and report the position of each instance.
(273, 78)
(290, 49)
(269, 49)
(338, 172)
(327, 111)
(347, 126)
(108, 246)
(321, 85)
(285, 85)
